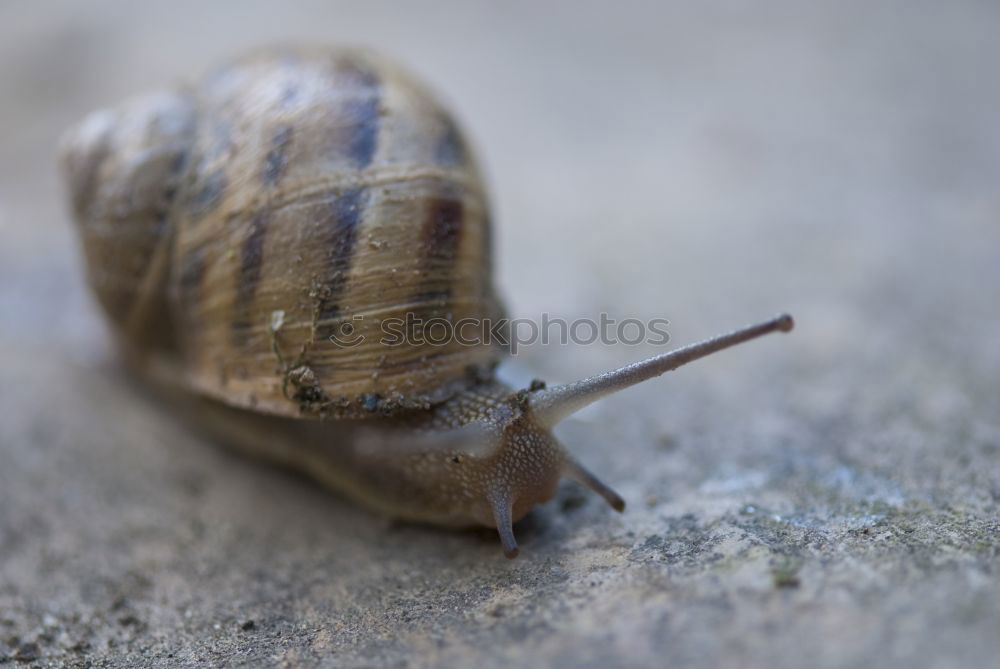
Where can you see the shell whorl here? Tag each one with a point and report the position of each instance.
(124, 168)
(311, 189)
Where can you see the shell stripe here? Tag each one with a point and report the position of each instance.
(344, 215)
(206, 198)
(191, 275)
(171, 187)
(277, 157)
(359, 114)
(442, 235)
(210, 172)
(450, 150)
(248, 276)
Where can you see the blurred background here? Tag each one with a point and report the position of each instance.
(831, 494)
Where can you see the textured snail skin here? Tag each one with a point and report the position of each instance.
(232, 229)
(426, 467)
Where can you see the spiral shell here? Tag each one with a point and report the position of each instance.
(257, 233)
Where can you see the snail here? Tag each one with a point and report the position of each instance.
(250, 237)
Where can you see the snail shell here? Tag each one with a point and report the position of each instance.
(245, 229)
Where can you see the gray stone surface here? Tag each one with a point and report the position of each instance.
(823, 499)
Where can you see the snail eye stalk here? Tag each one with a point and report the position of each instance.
(552, 405)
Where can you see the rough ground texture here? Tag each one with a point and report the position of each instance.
(827, 498)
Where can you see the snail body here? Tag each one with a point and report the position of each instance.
(248, 239)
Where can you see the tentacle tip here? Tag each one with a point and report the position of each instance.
(501, 514)
(617, 503)
(785, 322)
(509, 544)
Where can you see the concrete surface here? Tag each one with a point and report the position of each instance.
(824, 499)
